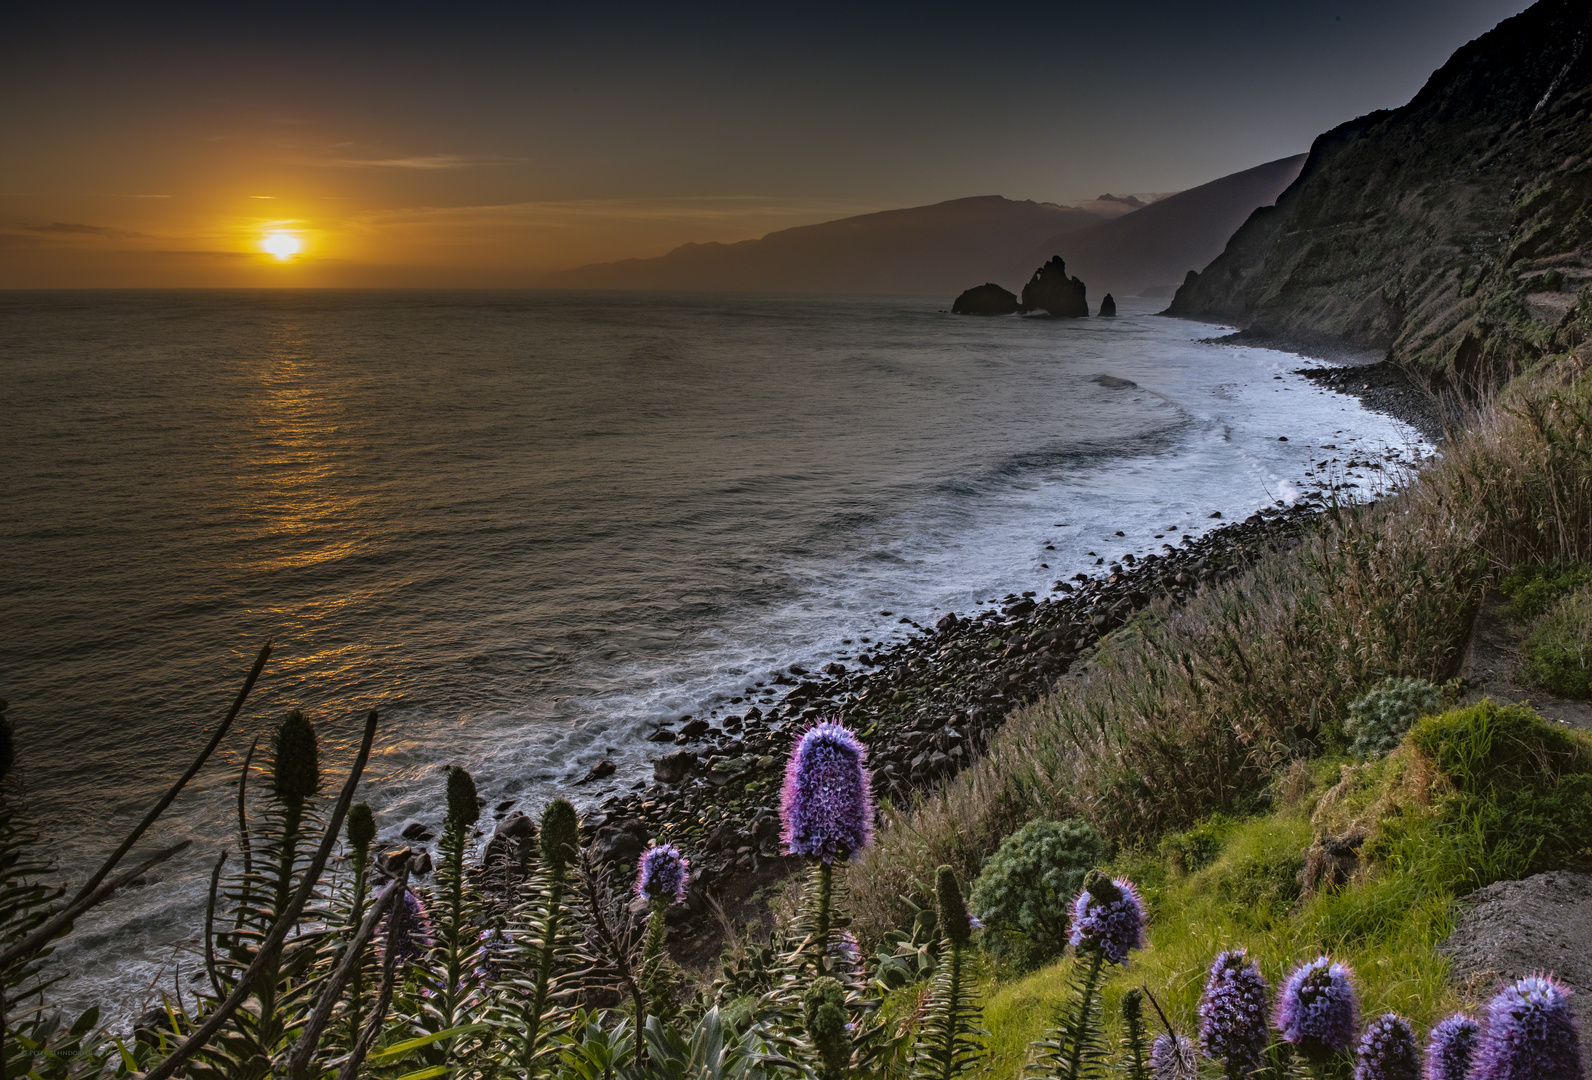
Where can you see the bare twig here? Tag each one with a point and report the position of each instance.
(210, 927)
(243, 818)
(389, 970)
(299, 1060)
(182, 781)
(266, 956)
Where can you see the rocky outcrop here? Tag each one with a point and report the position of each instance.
(986, 299)
(1050, 290)
(1422, 230)
(1108, 307)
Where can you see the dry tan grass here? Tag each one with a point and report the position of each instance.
(1200, 708)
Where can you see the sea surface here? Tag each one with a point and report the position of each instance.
(527, 527)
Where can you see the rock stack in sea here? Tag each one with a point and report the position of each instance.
(986, 299)
(1050, 290)
(1108, 307)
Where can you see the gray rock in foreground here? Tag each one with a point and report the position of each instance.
(1515, 928)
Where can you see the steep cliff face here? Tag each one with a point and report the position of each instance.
(1454, 232)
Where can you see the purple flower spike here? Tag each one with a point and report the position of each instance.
(1530, 1033)
(1388, 1051)
(661, 874)
(827, 803)
(1317, 1010)
(1172, 1058)
(414, 930)
(1108, 916)
(1235, 1015)
(1452, 1047)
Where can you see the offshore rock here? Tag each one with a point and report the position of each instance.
(1050, 290)
(986, 299)
(1108, 307)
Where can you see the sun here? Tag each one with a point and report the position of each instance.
(282, 245)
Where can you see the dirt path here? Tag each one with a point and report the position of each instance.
(1490, 661)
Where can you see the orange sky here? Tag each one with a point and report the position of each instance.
(155, 146)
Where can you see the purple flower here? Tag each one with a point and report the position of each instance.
(1452, 1047)
(1317, 1010)
(1388, 1051)
(827, 803)
(489, 958)
(661, 874)
(1530, 1033)
(1108, 917)
(1172, 1058)
(1235, 1018)
(414, 928)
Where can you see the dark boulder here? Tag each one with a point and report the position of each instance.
(985, 299)
(673, 768)
(599, 771)
(1050, 290)
(1108, 307)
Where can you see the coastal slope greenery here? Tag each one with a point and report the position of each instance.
(1452, 232)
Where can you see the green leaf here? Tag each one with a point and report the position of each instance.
(398, 1049)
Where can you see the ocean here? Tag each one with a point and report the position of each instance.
(527, 526)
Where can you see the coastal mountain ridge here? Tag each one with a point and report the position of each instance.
(1131, 244)
(921, 249)
(1454, 232)
(1149, 251)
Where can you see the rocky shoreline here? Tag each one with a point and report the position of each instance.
(925, 706)
(1365, 374)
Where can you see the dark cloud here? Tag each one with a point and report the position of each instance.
(70, 228)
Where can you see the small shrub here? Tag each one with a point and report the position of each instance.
(1377, 722)
(1558, 651)
(1025, 889)
(1532, 589)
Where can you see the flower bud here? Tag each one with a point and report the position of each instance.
(954, 921)
(361, 829)
(560, 836)
(297, 771)
(463, 810)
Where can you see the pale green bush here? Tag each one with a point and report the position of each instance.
(1377, 722)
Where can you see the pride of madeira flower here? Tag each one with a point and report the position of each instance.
(1234, 1013)
(827, 802)
(1451, 1048)
(661, 875)
(1530, 1032)
(1108, 917)
(406, 928)
(1317, 1010)
(1172, 1058)
(1388, 1051)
